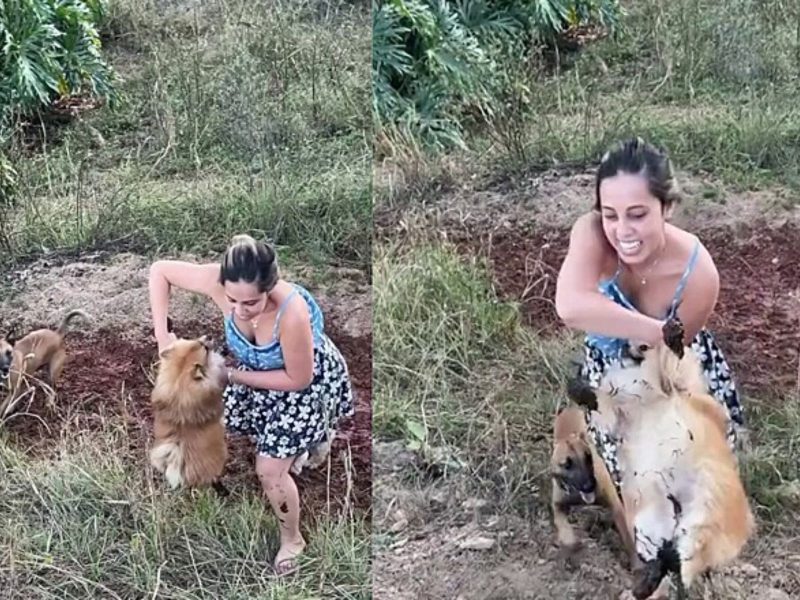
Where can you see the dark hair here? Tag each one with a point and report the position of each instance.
(637, 157)
(251, 261)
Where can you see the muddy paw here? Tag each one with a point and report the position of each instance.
(647, 579)
(580, 392)
(673, 332)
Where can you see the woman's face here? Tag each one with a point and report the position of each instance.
(632, 217)
(246, 299)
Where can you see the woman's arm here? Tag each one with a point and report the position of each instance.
(579, 303)
(201, 279)
(297, 345)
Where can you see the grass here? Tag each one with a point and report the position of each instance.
(455, 370)
(91, 523)
(237, 116)
(716, 88)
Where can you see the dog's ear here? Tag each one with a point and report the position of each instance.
(199, 372)
(13, 335)
(165, 352)
(206, 341)
(580, 392)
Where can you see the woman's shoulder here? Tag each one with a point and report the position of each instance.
(588, 240)
(692, 250)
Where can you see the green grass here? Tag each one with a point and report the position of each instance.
(716, 88)
(455, 370)
(237, 116)
(91, 524)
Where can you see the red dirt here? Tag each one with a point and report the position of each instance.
(107, 362)
(757, 317)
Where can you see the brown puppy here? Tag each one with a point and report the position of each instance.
(28, 354)
(189, 448)
(579, 476)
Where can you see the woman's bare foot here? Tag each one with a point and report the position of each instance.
(286, 560)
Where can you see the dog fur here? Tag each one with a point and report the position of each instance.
(579, 476)
(315, 456)
(189, 446)
(684, 500)
(20, 359)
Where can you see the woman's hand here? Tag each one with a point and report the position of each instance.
(165, 340)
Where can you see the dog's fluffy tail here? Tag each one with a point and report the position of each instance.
(62, 329)
(167, 458)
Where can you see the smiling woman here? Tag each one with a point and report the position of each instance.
(291, 386)
(628, 270)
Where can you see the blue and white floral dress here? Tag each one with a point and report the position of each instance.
(285, 424)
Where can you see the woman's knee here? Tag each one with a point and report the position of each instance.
(272, 470)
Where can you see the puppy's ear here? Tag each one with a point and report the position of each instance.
(13, 337)
(580, 392)
(206, 342)
(166, 352)
(199, 372)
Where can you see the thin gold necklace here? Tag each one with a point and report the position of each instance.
(254, 322)
(643, 277)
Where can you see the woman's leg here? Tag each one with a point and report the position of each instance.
(281, 491)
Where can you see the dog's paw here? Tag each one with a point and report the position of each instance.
(673, 333)
(580, 392)
(569, 555)
(299, 463)
(647, 578)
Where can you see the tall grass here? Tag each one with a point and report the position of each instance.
(237, 116)
(714, 87)
(94, 523)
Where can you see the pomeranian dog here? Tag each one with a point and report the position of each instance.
(20, 359)
(683, 495)
(189, 446)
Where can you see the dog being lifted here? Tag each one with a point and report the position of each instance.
(189, 447)
(684, 500)
(579, 476)
(20, 359)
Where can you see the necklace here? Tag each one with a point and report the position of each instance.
(254, 322)
(643, 276)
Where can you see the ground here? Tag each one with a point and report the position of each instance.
(112, 359)
(446, 539)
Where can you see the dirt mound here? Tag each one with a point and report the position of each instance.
(107, 382)
(757, 318)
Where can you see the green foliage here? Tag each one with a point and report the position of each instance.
(51, 48)
(437, 63)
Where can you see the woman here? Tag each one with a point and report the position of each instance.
(628, 270)
(292, 384)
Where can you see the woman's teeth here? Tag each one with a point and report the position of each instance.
(630, 247)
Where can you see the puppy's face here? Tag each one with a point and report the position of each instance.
(6, 357)
(192, 362)
(572, 467)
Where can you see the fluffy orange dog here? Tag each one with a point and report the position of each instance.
(684, 500)
(189, 447)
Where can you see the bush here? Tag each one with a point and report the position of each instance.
(435, 62)
(52, 49)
